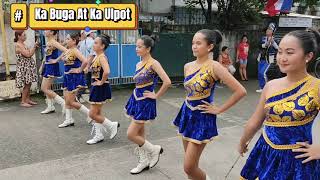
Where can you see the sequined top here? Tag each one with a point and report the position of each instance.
(51, 53)
(300, 103)
(200, 84)
(96, 67)
(290, 114)
(145, 76)
(71, 61)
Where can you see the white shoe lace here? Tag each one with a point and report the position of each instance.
(138, 152)
(94, 130)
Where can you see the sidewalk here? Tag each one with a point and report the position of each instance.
(115, 164)
(32, 147)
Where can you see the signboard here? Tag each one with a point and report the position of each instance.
(8, 89)
(295, 22)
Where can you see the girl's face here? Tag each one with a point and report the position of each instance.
(48, 33)
(244, 39)
(200, 46)
(226, 51)
(291, 57)
(70, 42)
(141, 49)
(23, 36)
(98, 46)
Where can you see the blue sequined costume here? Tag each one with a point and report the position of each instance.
(193, 125)
(51, 70)
(139, 108)
(99, 94)
(289, 118)
(73, 81)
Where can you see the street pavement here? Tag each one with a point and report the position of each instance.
(33, 147)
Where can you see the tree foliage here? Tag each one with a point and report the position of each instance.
(231, 13)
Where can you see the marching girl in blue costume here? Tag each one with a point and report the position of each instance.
(49, 72)
(287, 108)
(73, 79)
(100, 91)
(196, 121)
(141, 107)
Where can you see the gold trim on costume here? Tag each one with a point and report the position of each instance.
(289, 123)
(137, 121)
(316, 95)
(196, 141)
(144, 85)
(199, 97)
(75, 90)
(279, 147)
(307, 87)
(200, 70)
(138, 98)
(290, 88)
(190, 107)
(143, 67)
(103, 102)
(242, 178)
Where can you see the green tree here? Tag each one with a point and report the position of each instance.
(230, 13)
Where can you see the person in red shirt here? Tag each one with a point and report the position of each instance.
(242, 57)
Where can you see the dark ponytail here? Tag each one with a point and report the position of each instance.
(75, 37)
(213, 37)
(309, 40)
(55, 32)
(105, 39)
(149, 41)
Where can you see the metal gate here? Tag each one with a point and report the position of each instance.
(121, 55)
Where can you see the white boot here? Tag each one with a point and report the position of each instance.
(112, 127)
(98, 137)
(60, 101)
(69, 120)
(154, 152)
(143, 161)
(50, 107)
(85, 111)
(207, 177)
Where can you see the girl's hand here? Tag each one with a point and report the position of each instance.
(310, 151)
(242, 148)
(150, 95)
(97, 83)
(75, 71)
(52, 61)
(209, 108)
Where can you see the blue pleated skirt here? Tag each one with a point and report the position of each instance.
(267, 163)
(195, 126)
(73, 82)
(51, 70)
(100, 94)
(141, 109)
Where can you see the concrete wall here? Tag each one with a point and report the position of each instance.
(155, 6)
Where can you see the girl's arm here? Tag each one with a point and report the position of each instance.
(58, 45)
(238, 91)
(24, 51)
(106, 71)
(156, 66)
(254, 123)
